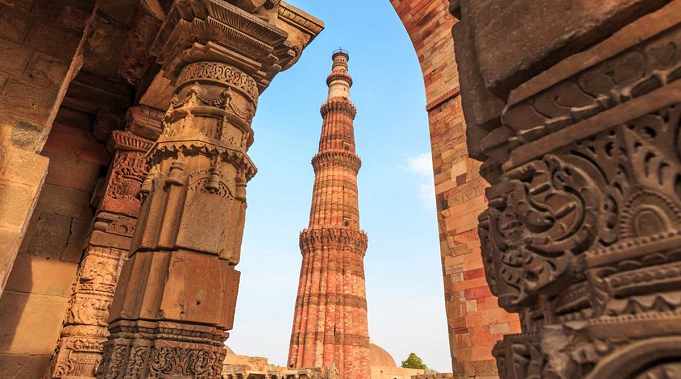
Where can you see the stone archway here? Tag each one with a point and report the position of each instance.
(475, 321)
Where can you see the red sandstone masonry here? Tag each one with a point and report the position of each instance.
(330, 326)
(474, 318)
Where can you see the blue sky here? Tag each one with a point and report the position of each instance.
(397, 206)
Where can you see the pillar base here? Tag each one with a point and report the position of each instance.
(163, 349)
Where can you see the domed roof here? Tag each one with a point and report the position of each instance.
(379, 357)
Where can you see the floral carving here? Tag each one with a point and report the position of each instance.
(584, 242)
(188, 362)
(538, 222)
(222, 73)
(129, 170)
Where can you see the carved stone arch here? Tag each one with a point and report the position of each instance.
(640, 358)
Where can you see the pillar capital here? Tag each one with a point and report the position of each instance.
(241, 33)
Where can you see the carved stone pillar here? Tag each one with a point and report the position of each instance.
(178, 289)
(582, 237)
(79, 350)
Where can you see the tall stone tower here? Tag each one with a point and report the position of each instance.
(330, 326)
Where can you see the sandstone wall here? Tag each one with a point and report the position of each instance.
(387, 372)
(35, 299)
(475, 320)
(38, 39)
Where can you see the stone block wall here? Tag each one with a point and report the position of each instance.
(38, 41)
(36, 296)
(475, 320)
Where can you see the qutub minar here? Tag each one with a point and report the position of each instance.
(330, 326)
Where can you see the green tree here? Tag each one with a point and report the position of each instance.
(414, 361)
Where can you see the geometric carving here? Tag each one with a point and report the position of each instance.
(631, 74)
(209, 28)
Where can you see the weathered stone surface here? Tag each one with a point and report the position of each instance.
(29, 269)
(29, 322)
(22, 175)
(581, 236)
(13, 367)
(32, 81)
(163, 321)
(41, 279)
(459, 187)
(81, 343)
(559, 28)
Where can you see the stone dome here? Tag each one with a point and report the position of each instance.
(378, 357)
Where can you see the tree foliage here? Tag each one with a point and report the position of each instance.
(414, 361)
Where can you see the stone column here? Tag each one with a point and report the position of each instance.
(165, 320)
(79, 350)
(178, 289)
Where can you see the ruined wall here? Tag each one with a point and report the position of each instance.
(38, 39)
(475, 320)
(36, 297)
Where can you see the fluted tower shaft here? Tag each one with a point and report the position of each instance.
(330, 327)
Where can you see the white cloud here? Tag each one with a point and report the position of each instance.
(427, 194)
(421, 164)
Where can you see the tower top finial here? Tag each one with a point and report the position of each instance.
(341, 51)
(339, 81)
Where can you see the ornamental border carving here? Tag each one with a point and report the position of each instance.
(339, 76)
(311, 239)
(237, 157)
(594, 86)
(221, 73)
(340, 105)
(340, 158)
(124, 140)
(291, 14)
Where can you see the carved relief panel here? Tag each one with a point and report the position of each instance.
(81, 343)
(582, 237)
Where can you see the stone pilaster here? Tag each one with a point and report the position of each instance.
(79, 350)
(178, 289)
